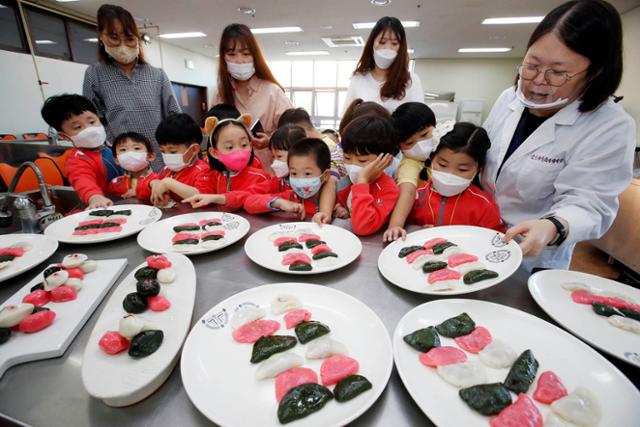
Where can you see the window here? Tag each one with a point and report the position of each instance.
(48, 34)
(10, 32)
(84, 42)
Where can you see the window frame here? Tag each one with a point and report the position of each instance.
(16, 12)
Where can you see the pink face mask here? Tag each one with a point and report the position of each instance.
(236, 160)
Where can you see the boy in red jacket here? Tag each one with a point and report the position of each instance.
(91, 165)
(367, 143)
(179, 138)
(132, 153)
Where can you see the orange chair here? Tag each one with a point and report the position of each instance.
(7, 137)
(60, 161)
(28, 181)
(34, 136)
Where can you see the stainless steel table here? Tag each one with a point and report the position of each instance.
(50, 392)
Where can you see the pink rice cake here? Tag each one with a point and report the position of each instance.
(109, 230)
(429, 244)
(585, 297)
(444, 274)
(413, 256)
(91, 222)
(337, 367)
(522, 413)
(184, 236)
(293, 377)
(16, 252)
(296, 257)
(321, 248)
(212, 233)
(293, 317)
(281, 240)
(459, 258)
(441, 356)
(308, 236)
(476, 341)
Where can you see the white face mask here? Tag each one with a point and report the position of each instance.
(384, 57)
(175, 162)
(353, 171)
(421, 150)
(448, 184)
(133, 161)
(91, 137)
(280, 168)
(241, 71)
(123, 54)
(535, 106)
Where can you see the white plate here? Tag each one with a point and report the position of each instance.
(141, 216)
(42, 247)
(120, 380)
(70, 317)
(157, 237)
(344, 243)
(220, 380)
(484, 243)
(574, 362)
(546, 288)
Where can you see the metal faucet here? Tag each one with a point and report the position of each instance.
(38, 219)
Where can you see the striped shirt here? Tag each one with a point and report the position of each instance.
(136, 104)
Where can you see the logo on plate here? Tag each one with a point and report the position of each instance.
(246, 304)
(231, 225)
(498, 256)
(217, 320)
(287, 227)
(632, 356)
(227, 217)
(497, 241)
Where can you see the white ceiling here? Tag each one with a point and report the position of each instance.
(446, 25)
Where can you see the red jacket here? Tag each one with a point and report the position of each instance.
(86, 173)
(261, 194)
(123, 183)
(471, 207)
(371, 204)
(187, 176)
(235, 187)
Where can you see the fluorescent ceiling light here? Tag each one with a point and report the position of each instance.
(45, 42)
(276, 30)
(308, 53)
(183, 35)
(484, 49)
(92, 40)
(370, 25)
(513, 20)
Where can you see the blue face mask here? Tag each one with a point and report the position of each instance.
(306, 187)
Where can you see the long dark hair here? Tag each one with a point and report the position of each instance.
(107, 15)
(398, 77)
(591, 28)
(232, 35)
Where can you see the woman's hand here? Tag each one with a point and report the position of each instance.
(537, 233)
(372, 171)
(260, 141)
(200, 200)
(99, 201)
(394, 233)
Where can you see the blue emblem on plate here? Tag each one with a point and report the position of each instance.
(498, 256)
(217, 320)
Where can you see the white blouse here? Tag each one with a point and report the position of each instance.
(365, 87)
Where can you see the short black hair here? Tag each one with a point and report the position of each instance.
(295, 116)
(312, 147)
(466, 138)
(593, 29)
(223, 111)
(59, 108)
(369, 135)
(329, 131)
(134, 136)
(214, 163)
(285, 137)
(178, 128)
(410, 118)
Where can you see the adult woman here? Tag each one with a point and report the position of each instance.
(129, 94)
(246, 82)
(562, 149)
(382, 74)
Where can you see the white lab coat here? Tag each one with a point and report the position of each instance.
(573, 166)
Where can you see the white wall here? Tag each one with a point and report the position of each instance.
(630, 86)
(21, 98)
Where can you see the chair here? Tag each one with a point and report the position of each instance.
(60, 161)
(35, 136)
(28, 181)
(7, 137)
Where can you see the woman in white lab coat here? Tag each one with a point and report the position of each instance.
(382, 74)
(562, 148)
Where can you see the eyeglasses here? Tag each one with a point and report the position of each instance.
(554, 78)
(116, 39)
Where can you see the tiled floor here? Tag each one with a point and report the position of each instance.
(589, 259)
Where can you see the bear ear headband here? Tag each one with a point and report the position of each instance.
(212, 123)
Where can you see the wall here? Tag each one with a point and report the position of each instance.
(630, 87)
(21, 98)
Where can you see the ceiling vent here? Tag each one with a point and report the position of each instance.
(343, 41)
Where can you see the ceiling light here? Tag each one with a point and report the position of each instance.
(291, 43)
(276, 30)
(370, 25)
(513, 20)
(45, 42)
(308, 53)
(380, 2)
(247, 10)
(326, 27)
(484, 49)
(91, 40)
(183, 35)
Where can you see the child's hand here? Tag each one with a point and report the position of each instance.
(372, 171)
(159, 193)
(98, 201)
(321, 218)
(200, 200)
(394, 233)
(340, 212)
(128, 194)
(261, 142)
(288, 206)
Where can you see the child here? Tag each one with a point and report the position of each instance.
(449, 197)
(132, 153)
(230, 157)
(90, 166)
(308, 164)
(414, 123)
(225, 111)
(179, 138)
(367, 143)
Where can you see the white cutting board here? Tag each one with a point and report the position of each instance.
(70, 317)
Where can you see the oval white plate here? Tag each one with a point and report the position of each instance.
(546, 288)
(120, 380)
(157, 237)
(574, 362)
(220, 380)
(42, 247)
(343, 242)
(141, 216)
(484, 243)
